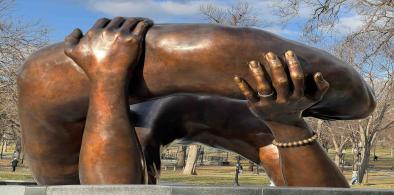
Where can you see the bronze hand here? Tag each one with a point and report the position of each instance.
(276, 102)
(280, 106)
(110, 150)
(110, 49)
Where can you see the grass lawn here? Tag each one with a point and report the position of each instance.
(21, 173)
(214, 175)
(380, 176)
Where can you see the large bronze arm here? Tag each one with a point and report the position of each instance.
(204, 58)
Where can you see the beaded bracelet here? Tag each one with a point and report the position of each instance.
(295, 143)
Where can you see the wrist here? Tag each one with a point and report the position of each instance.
(289, 131)
(106, 91)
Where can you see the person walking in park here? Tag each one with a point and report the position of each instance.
(238, 170)
(14, 164)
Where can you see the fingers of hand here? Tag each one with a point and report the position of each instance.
(101, 23)
(129, 25)
(72, 40)
(279, 77)
(130, 28)
(142, 27)
(115, 23)
(245, 88)
(263, 86)
(322, 86)
(296, 74)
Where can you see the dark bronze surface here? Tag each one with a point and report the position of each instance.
(280, 107)
(199, 59)
(212, 120)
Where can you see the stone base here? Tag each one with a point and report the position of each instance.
(177, 190)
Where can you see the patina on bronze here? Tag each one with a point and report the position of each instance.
(54, 91)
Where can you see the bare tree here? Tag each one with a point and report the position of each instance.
(376, 17)
(240, 14)
(323, 136)
(378, 71)
(340, 138)
(17, 40)
(192, 157)
(181, 156)
(369, 48)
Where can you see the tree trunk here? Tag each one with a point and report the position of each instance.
(356, 158)
(392, 152)
(23, 157)
(181, 156)
(337, 159)
(5, 146)
(202, 156)
(192, 157)
(364, 162)
(18, 149)
(2, 148)
(250, 167)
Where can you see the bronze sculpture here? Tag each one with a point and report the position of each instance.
(54, 90)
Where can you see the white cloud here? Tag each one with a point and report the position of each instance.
(349, 24)
(284, 32)
(157, 10)
(174, 10)
(187, 11)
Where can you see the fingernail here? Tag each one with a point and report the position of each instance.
(253, 64)
(319, 77)
(271, 56)
(289, 54)
(237, 79)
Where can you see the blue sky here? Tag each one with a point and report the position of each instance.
(62, 16)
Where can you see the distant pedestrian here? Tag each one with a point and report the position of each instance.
(354, 178)
(14, 164)
(238, 170)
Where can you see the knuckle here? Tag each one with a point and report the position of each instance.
(148, 22)
(91, 32)
(293, 63)
(271, 56)
(68, 51)
(276, 64)
(247, 94)
(256, 71)
(281, 82)
(130, 19)
(144, 23)
(117, 34)
(281, 101)
(132, 39)
(106, 32)
(297, 76)
(137, 36)
(118, 18)
(263, 88)
(289, 53)
(242, 86)
(262, 104)
(67, 39)
(103, 19)
(297, 95)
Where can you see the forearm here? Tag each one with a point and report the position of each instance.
(306, 165)
(110, 150)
